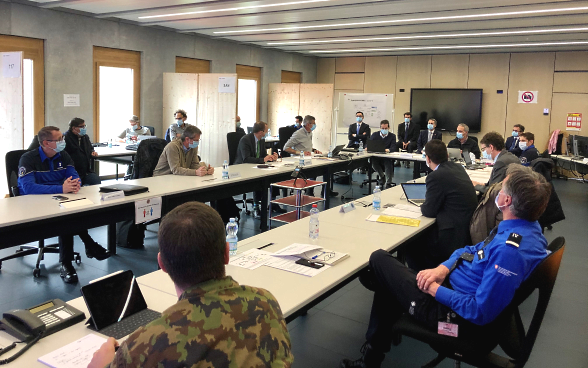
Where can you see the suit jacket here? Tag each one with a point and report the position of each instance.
(364, 128)
(516, 150)
(424, 138)
(498, 174)
(413, 132)
(80, 152)
(247, 149)
(451, 199)
(390, 140)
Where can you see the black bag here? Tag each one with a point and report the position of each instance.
(227, 208)
(129, 235)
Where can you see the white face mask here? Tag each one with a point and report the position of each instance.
(523, 145)
(496, 202)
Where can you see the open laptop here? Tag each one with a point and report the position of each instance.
(116, 305)
(376, 146)
(415, 192)
(454, 154)
(468, 162)
(336, 151)
(126, 188)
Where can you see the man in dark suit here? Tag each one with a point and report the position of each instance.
(424, 137)
(358, 132)
(512, 142)
(493, 149)
(390, 139)
(528, 150)
(408, 134)
(80, 149)
(452, 200)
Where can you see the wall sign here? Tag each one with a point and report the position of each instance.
(528, 97)
(226, 84)
(574, 121)
(11, 64)
(71, 100)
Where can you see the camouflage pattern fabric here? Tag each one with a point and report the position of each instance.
(217, 323)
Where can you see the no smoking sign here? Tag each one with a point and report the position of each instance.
(527, 97)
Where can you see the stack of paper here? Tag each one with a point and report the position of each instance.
(403, 210)
(77, 354)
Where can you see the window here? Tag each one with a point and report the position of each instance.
(196, 66)
(291, 77)
(248, 94)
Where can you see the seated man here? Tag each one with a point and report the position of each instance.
(527, 147)
(463, 141)
(180, 157)
(512, 142)
(424, 137)
(297, 122)
(451, 199)
(474, 285)
(387, 136)
(216, 322)
(50, 170)
(493, 148)
(358, 132)
(176, 129)
(79, 147)
(131, 133)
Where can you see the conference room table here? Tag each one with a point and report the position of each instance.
(578, 167)
(118, 154)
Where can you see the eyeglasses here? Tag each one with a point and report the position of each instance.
(55, 140)
(322, 256)
(81, 126)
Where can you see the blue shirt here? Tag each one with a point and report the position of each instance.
(484, 287)
(39, 174)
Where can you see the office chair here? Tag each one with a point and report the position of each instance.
(285, 134)
(151, 129)
(249, 130)
(474, 138)
(507, 330)
(233, 139)
(167, 137)
(12, 160)
(148, 152)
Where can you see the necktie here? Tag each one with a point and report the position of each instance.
(405, 132)
(358, 126)
(258, 149)
(514, 143)
(430, 136)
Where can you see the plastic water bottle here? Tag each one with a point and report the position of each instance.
(225, 170)
(301, 161)
(360, 150)
(269, 132)
(313, 225)
(110, 143)
(377, 202)
(330, 155)
(232, 228)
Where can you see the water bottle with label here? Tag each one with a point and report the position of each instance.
(301, 161)
(225, 170)
(360, 150)
(313, 225)
(377, 201)
(232, 228)
(330, 155)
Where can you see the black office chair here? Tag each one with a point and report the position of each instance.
(508, 328)
(151, 129)
(12, 160)
(474, 138)
(249, 130)
(167, 137)
(147, 157)
(285, 133)
(233, 139)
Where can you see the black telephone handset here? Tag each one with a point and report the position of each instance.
(22, 324)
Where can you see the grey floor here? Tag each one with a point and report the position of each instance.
(335, 328)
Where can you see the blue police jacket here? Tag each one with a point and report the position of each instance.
(39, 174)
(484, 287)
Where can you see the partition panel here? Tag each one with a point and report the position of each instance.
(180, 91)
(282, 105)
(317, 100)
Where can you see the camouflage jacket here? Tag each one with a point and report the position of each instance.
(217, 323)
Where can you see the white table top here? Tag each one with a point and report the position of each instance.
(118, 150)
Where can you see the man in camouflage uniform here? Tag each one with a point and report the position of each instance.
(216, 322)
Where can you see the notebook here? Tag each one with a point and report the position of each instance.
(415, 192)
(126, 188)
(454, 154)
(468, 161)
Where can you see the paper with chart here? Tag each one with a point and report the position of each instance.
(251, 259)
(77, 354)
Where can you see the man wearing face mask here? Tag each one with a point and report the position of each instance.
(178, 127)
(297, 123)
(493, 149)
(301, 140)
(134, 130)
(451, 199)
(358, 132)
(238, 127)
(464, 142)
(387, 136)
(424, 137)
(180, 157)
(512, 142)
(527, 147)
(79, 147)
(50, 170)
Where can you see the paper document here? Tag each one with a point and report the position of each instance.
(393, 211)
(393, 220)
(77, 354)
(251, 259)
(76, 203)
(288, 263)
(296, 249)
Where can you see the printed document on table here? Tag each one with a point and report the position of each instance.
(251, 259)
(289, 264)
(77, 354)
(296, 249)
(394, 211)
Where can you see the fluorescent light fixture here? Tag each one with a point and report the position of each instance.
(233, 9)
(416, 48)
(449, 35)
(411, 20)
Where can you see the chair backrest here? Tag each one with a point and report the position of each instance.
(151, 129)
(249, 130)
(542, 279)
(233, 139)
(474, 138)
(12, 159)
(34, 144)
(285, 134)
(147, 157)
(167, 137)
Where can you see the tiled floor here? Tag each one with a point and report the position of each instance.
(335, 328)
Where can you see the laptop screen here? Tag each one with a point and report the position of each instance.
(111, 299)
(414, 190)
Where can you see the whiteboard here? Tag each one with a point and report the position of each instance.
(375, 107)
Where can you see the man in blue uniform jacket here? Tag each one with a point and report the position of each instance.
(528, 150)
(390, 139)
(50, 170)
(475, 284)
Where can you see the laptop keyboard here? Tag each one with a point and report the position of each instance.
(420, 201)
(128, 325)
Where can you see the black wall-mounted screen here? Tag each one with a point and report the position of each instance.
(449, 107)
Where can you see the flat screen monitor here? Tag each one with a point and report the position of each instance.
(580, 145)
(449, 107)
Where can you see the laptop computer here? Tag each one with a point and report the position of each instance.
(454, 154)
(468, 162)
(415, 192)
(116, 305)
(335, 152)
(376, 146)
(126, 188)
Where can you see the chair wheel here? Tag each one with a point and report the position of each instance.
(36, 272)
(78, 259)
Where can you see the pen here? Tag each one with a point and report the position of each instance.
(265, 246)
(210, 179)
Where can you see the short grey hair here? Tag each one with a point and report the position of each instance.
(529, 190)
(465, 127)
(46, 133)
(307, 120)
(190, 132)
(435, 121)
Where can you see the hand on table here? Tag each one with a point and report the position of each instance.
(201, 171)
(105, 354)
(404, 145)
(387, 150)
(210, 170)
(306, 153)
(71, 185)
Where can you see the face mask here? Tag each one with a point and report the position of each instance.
(83, 131)
(359, 119)
(194, 144)
(459, 135)
(430, 126)
(523, 145)
(496, 202)
(238, 124)
(486, 155)
(313, 127)
(134, 127)
(515, 134)
(384, 131)
(59, 146)
(180, 122)
(407, 120)
(427, 163)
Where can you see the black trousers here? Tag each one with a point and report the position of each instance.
(66, 245)
(411, 146)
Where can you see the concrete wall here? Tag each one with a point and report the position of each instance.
(69, 40)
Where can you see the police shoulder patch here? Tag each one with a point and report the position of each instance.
(514, 239)
(21, 171)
